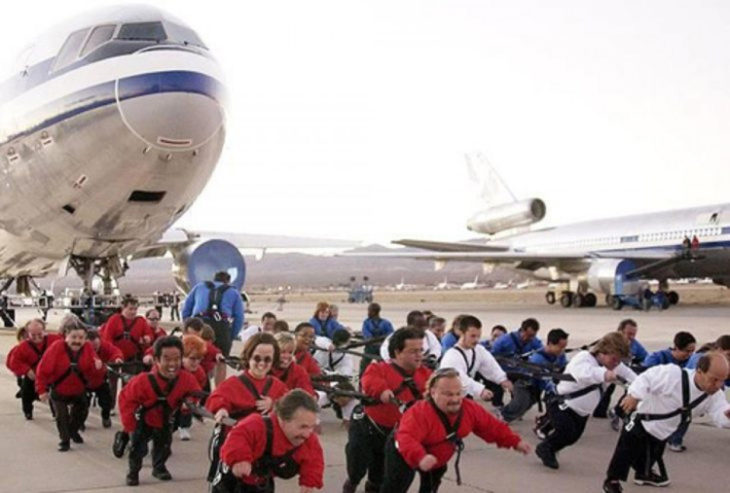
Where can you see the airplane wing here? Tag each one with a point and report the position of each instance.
(179, 238)
(517, 256)
(447, 246)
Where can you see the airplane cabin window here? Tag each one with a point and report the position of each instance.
(142, 31)
(100, 34)
(70, 49)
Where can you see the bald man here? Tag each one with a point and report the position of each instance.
(657, 398)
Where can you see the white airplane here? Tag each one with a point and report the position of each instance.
(444, 285)
(471, 284)
(613, 256)
(110, 127)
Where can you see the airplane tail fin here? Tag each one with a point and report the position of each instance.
(491, 188)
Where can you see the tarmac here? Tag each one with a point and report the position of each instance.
(31, 463)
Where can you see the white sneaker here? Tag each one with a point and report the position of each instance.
(184, 434)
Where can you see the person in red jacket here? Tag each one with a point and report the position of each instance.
(130, 333)
(253, 391)
(433, 429)
(23, 361)
(147, 405)
(65, 370)
(304, 334)
(214, 363)
(282, 444)
(288, 371)
(99, 383)
(392, 386)
(193, 352)
(152, 316)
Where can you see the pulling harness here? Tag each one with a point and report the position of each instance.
(220, 431)
(161, 401)
(127, 334)
(267, 466)
(451, 435)
(215, 296)
(73, 369)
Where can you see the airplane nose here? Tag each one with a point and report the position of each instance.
(171, 110)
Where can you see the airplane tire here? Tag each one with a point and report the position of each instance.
(590, 299)
(550, 298)
(673, 297)
(616, 303)
(579, 300)
(566, 299)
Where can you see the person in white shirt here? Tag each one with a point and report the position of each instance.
(268, 320)
(431, 344)
(575, 401)
(470, 358)
(330, 358)
(658, 396)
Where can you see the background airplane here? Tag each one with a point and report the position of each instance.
(613, 256)
(111, 125)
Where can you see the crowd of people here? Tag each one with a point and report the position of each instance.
(408, 397)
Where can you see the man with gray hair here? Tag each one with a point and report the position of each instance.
(664, 398)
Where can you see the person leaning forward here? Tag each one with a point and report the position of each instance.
(282, 444)
(220, 305)
(392, 386)
(664, 398)
(432, 430)
(147, 406)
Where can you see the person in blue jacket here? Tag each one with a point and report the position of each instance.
(322, 321)
(684, 345)
(226, 318)
(452, 335)
(497, 332)
(520, 342)
(527, 391)
(373, 327)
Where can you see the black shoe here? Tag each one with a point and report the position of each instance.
(348, 487)
(651, 479)
(64, 446)
(29, 416)
(371, 487)
(547, 456)
(106, 422)
(76, 438)
(121, 439)
(162, 474)
(132, 478)
(612, 487)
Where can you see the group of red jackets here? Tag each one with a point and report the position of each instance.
(26, 355)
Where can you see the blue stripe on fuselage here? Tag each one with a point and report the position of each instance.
(104, 94)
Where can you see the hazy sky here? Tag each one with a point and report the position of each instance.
(351, 119)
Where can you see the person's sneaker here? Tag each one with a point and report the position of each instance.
(64, 446)
(184, 434)
(612, 487)
(77, 438)
(547, 456)
(676, 447)
(651, 479)
(348, 487)
(162, 474)
(106, 422)
(132, 478)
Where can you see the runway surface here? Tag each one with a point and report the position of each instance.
(31, 464)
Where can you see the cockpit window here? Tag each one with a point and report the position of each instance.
(142, 31)
(184, 35)
(70, 49)
(99, 35)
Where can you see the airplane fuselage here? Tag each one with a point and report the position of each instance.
(103, 145)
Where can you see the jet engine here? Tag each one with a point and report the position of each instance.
(506, 216)
(201, 260)
(609, 276)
